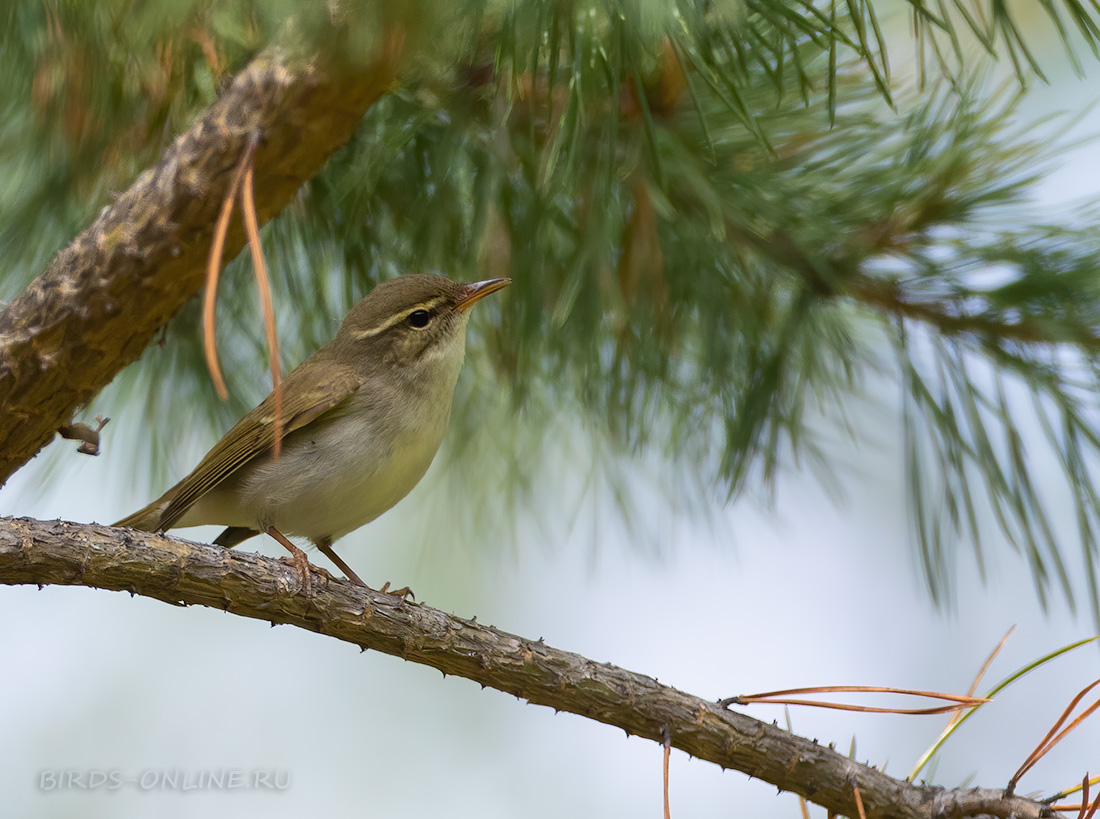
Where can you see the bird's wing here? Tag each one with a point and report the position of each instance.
(308, 393)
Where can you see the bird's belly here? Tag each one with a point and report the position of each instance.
(332, 480)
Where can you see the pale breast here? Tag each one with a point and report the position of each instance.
(333, 479)
(349, 466)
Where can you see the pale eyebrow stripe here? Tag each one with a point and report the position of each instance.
(430, 304)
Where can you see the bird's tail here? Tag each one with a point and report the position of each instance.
(149, 518)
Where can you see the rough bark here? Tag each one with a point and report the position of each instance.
(102, 299)
(183, 573)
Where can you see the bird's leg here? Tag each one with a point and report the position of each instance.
(325, 546)
(297, 556)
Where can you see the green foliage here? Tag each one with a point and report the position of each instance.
(92, 94)
(726, 224)
(999, 32)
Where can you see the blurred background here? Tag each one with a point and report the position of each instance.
(540, 522)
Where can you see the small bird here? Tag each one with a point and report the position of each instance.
(362, 420)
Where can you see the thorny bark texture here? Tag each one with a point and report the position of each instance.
(102, 299)
(183, 573)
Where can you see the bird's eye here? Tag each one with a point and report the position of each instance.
(419, 318)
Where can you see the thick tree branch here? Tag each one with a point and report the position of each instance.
(183, 573)
(101, 300)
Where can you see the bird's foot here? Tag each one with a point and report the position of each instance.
(298, 559)
(405, 593)
(304, 567)
(325, 546)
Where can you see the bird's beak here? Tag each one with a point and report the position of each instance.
(476, 291)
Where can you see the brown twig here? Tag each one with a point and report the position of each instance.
(1091, 812)
(1084, 809)
(666, 741)
(214, 266)
(959, 715)
(981, 673)
(859, 802)
(263, 283)
(1052, 738)
(1094, 807)
(958, 701)
(1050, 800)
(803, 807)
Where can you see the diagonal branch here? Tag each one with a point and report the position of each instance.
(102, 299)
(183, 573)
(886, 296)
(839, 275)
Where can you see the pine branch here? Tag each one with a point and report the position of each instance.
(886, 296)
(250, 585)
(101, 300)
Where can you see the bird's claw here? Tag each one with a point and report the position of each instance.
(405, 593)
(300, 562)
